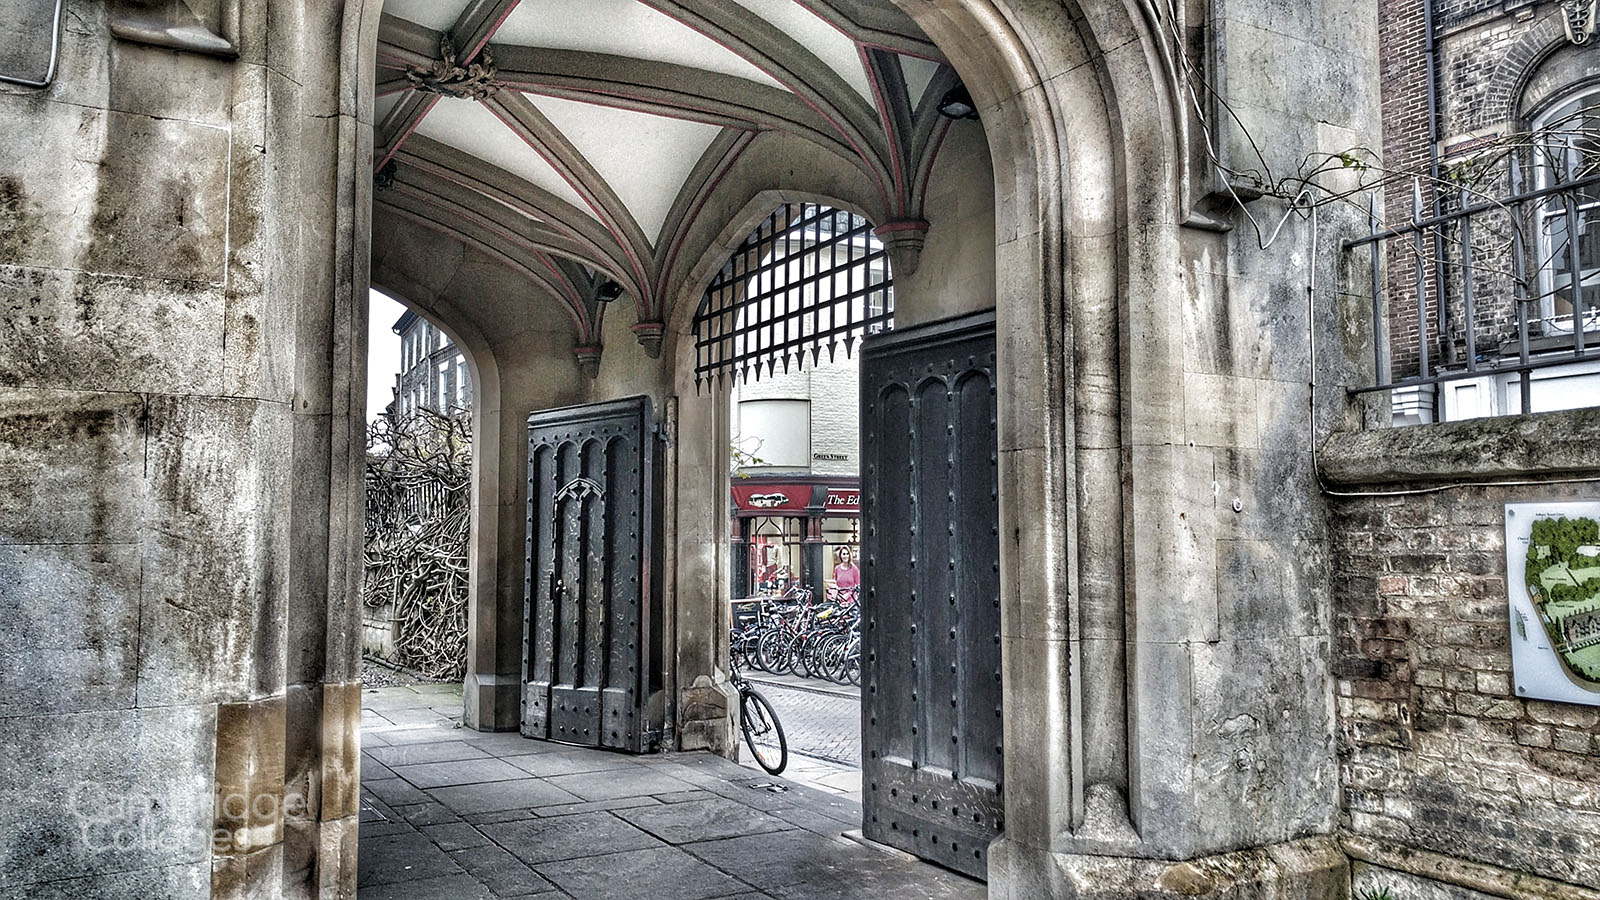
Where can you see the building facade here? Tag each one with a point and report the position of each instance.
(1252, 642)
(796, 422)
(1493, 107)
(433, 373)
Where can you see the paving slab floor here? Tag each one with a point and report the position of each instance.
(456, 814)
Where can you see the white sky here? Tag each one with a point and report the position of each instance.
(383, 353)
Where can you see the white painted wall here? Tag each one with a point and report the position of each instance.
(805, 420)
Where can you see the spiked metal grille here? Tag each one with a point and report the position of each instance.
(810, 280)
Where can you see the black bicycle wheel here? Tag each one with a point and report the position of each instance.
(770, 652)
(763, 732)
(804, 655)
(830, 656)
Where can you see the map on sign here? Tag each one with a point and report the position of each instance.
(1553, 573)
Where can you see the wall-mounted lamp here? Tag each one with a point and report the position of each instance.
(957, 104)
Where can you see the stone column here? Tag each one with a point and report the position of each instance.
(182, 306)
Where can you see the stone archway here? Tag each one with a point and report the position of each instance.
(1056, 290)
(1095, 186)
(483, 702)
(1064, 196)
(192, 353)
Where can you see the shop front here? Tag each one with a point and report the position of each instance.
(795, 532)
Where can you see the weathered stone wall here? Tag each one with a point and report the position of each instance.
(179, 462)
(955, 274)
(1437, 753)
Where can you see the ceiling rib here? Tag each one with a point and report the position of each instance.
(697, 190)
(523, 118)
(597, 246)
(478, 23)
(888, 88)
(426, 211)
(470, 34)
(815, 82)
(399, 125)
(928, 131)
(876, 25)
(567, 252)
(493, 214)
(664, 89)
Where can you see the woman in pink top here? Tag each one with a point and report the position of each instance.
(845, 573)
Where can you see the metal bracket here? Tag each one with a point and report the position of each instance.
(176, 24)
(55, 55)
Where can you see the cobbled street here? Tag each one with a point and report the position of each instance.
(820, 719)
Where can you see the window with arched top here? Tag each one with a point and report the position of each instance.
(1566, 145)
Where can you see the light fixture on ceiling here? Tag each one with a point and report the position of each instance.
(957, 104)
(608, 292)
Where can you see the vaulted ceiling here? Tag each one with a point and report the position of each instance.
(578, 140)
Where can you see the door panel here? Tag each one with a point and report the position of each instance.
(591, 610)
(931, 702)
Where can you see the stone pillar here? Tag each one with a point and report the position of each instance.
(180, 444)
(703, 567)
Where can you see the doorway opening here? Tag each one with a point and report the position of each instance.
(785, 319)
(417, 477)
(535, 174)
(864, 555)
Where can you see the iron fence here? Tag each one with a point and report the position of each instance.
(1505, 286)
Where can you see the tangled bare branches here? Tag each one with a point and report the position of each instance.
(418, 483)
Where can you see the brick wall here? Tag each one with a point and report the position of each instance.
(1436, 750)
(1404, 76)
(1485, 47)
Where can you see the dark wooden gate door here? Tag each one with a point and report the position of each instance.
(591, 632)
(930, 704)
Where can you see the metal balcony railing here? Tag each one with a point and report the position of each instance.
(1504, 286)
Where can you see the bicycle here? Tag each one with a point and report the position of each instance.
(762, 730)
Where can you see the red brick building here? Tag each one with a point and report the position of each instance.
(1484, 103)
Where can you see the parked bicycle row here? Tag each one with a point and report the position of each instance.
(793, 633)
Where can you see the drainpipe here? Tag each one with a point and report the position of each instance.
(1447, 345)
(55, 52)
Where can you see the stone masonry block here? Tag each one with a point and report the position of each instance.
(71, 467)
(98, 792)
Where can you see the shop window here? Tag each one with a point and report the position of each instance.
(776, 543)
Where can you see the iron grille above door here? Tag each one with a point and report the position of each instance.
(811, 280)
(592, 612)
(930, 551)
